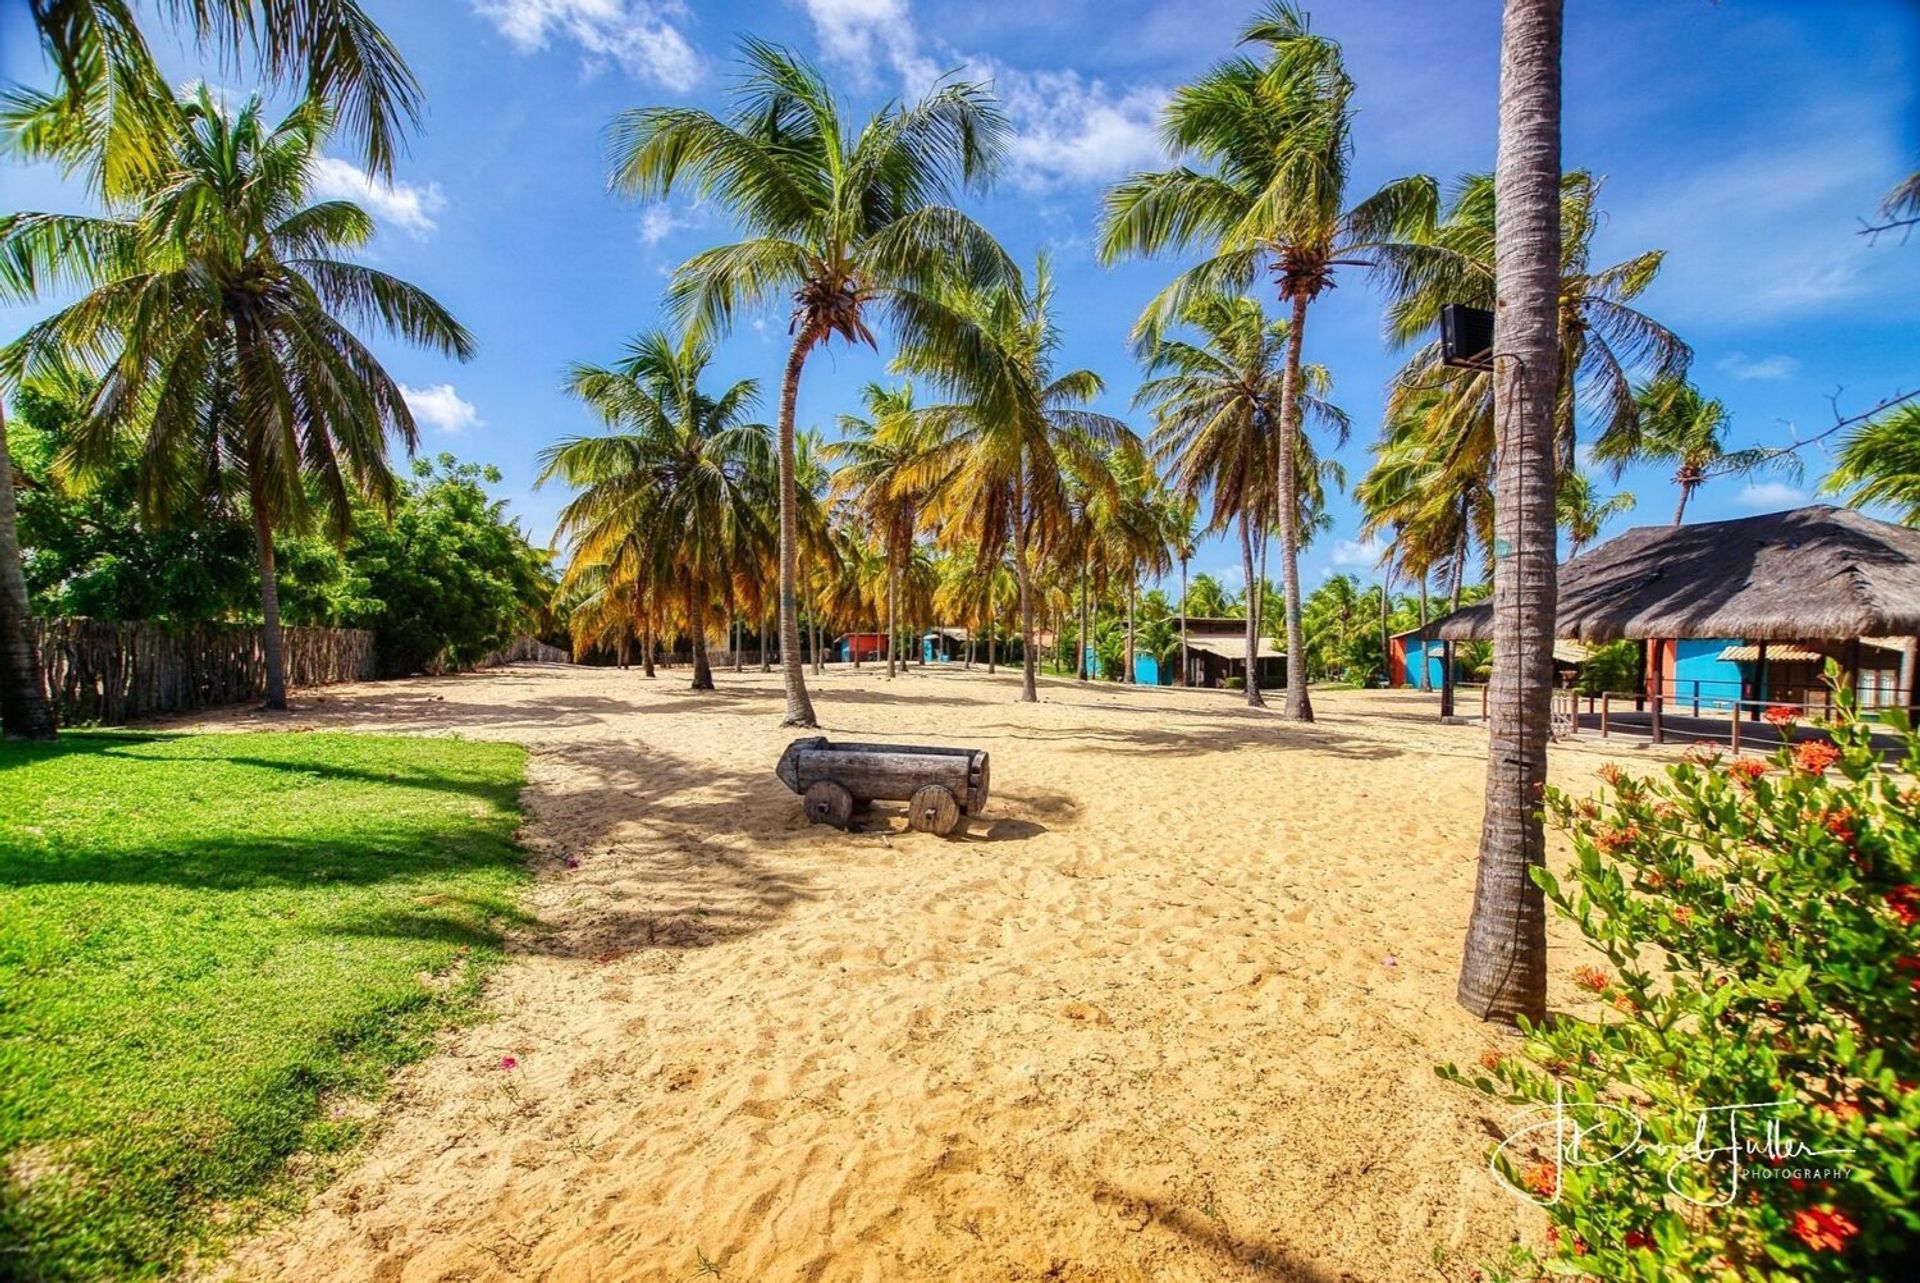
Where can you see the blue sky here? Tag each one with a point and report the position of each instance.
(1744, 138)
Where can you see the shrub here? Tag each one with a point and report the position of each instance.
(1759, 933)
(1234, 683)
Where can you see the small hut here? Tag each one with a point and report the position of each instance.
(943, 645)
(1735, 614)
(1217, 651)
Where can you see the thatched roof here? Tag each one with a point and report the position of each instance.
(1811, 574)
(1234, 648)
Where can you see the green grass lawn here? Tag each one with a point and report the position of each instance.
(207, 942)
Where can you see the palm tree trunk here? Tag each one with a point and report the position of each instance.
(646, 642)
(799, 706)
(697, 625)
(1503, 974)
(766, 633)
(1028, 693)
(1133, 678)
(993, 626)
(271, 641)
(735, 636)
(1460, 554)
(1086, 570)
(893, 603)
(1254, 698)
(1298, 705)
(1686, 492)
(1183, 622)
(25, 711)
(1423, 628)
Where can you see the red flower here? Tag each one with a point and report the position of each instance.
(1638, 1239)
(1904, 900)
(1613, 841)
(1780, 716)
(1815, 756)
(508, 1062)
(1823, 1229)
(1543, 1179)
(1492, 1060)
(1591, 978)
(1611, 773)
(1745, 770)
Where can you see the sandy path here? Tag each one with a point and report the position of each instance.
(1140, 1026)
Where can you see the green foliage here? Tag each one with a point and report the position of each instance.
(450, 578)
(90, 552)
(1759, 930)
(204, 941)
(1612, 667)
(1879, 463)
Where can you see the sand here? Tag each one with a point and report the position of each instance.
(1171, 1012)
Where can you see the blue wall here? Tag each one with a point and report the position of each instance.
(1146, 670)
(1698, 661)
(1433, 653)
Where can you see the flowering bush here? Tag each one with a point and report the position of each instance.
(1744, 1105)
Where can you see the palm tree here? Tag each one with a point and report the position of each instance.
(107, 110)
(100, 117)
(996, 472)
(1604, 338)
(1214, 402)
(842, 219)
(673, 499)
(1277, 137)
(1880, 463)
(1183, 537)
(217, 307)
(1676, 425)
(1583, 513)
(1503, 973)
(880, 452)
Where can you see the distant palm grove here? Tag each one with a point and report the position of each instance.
(199, 431)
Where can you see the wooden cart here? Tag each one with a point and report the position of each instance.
(939, 785)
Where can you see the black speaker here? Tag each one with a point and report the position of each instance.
(1466, 337)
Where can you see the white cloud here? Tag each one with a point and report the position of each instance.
(1072, 129)
(1069, 128)
(657, 222)
(441, 408)
(1355, 554)
(639, 35)
(1770, 496)
(858, 34)
(403, 205)
(1738, 365)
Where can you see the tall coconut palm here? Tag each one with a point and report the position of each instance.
(1503, 972)
(1215, 401)
(105, 112)
(1428, 485)
(1275, 135)
(1879, 463)
(108, 115)
(1605, 340)
(846, 219)
(878, 455)
(219, 308)
(675, 497)
(1676, 425)
(1583, 512)
(1183, 538)
(996, 472)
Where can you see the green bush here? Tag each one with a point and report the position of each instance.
(1614, 667)
(1758, 927)
(1234, 683)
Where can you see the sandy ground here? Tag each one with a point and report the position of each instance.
(1170, 1012)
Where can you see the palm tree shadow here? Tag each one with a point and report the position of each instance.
(1261, 1253)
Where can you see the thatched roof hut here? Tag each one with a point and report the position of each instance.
(1814, 573)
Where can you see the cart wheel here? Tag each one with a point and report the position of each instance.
(933, 810)
(829, 803)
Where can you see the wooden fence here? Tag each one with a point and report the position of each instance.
(111, 673)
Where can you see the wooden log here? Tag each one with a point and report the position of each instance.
(829, 803)
(933, 810)
(887, 772)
